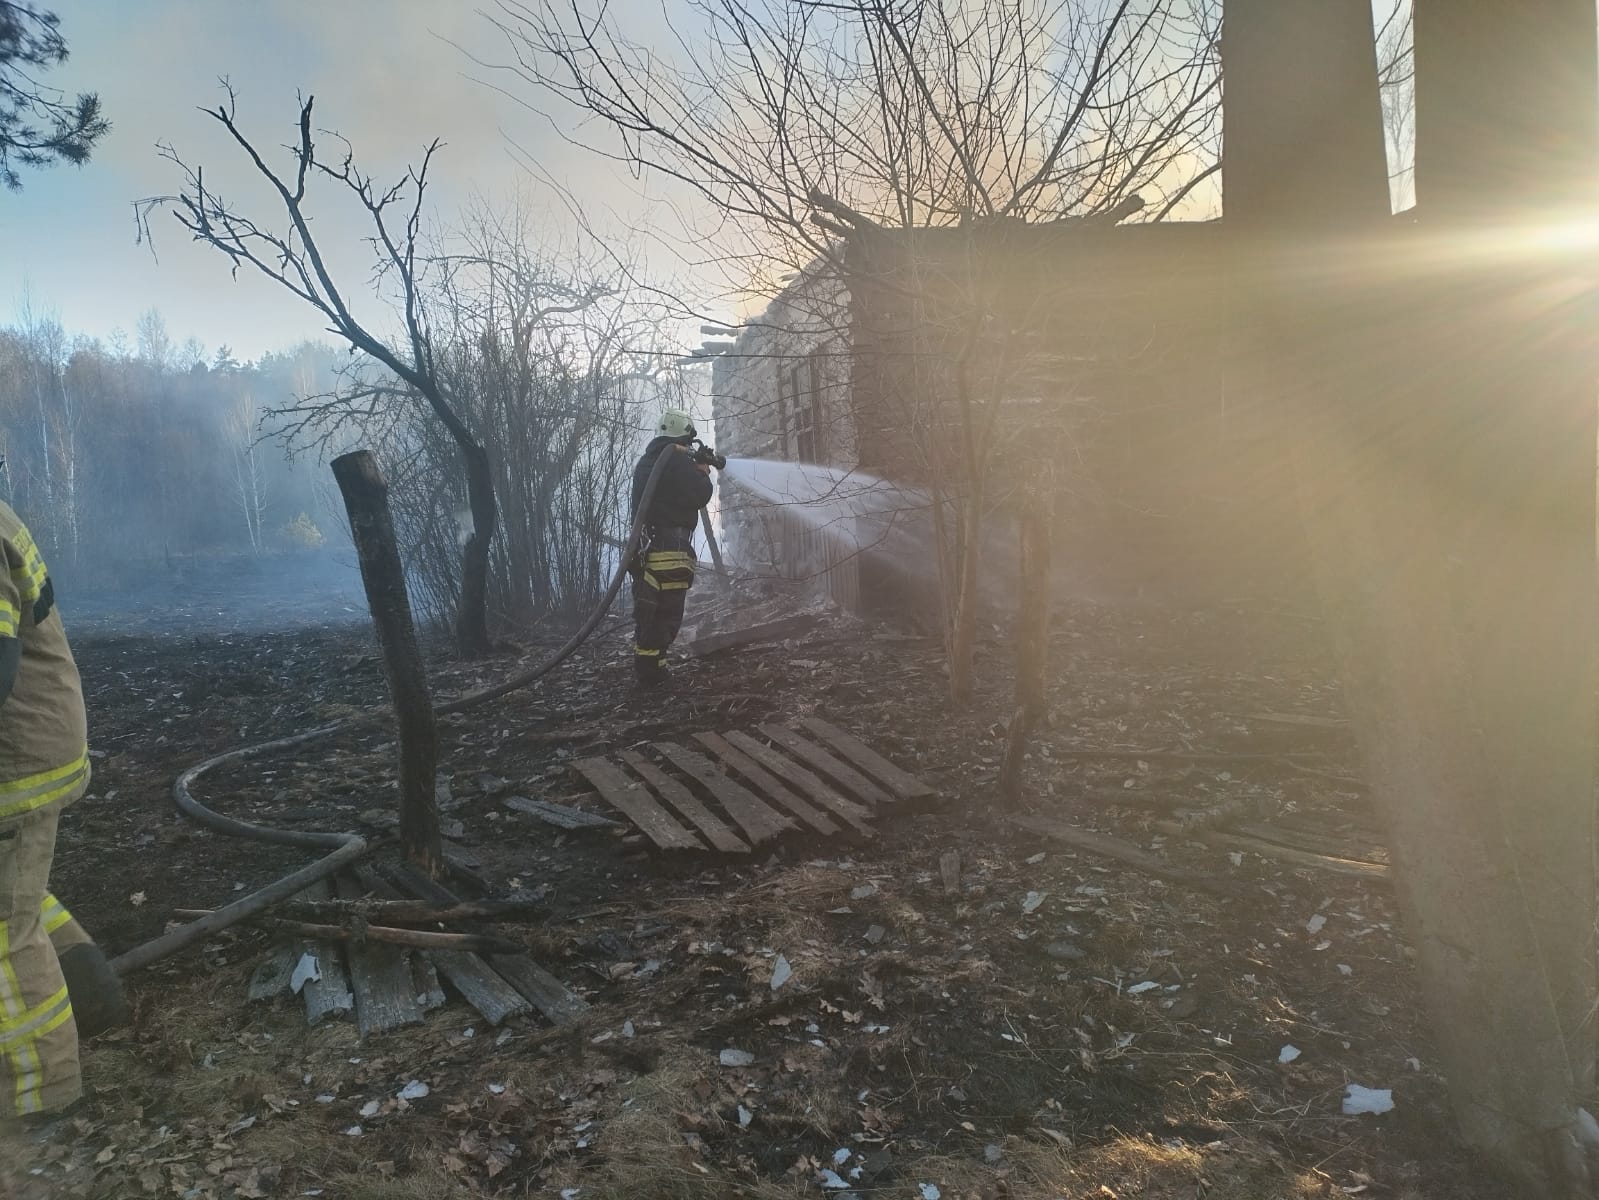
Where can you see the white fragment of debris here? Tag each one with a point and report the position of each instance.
(496, 1089)
(1085, 889)
(1587, 1129)
(370, 1109)
(862, 892)
(781, 972)
(1415, 1063)
(307, 970)
(1033, 901)
(469, 1032)
(830, 1179)
(930, 1191)
(1358, 1100)
(603, 1036)
(1288, 1054)
(1345, 969)
(571, 1193)
(745, 1116)
(1236, 857)
(1140, 988)
(1035, 859)
(627, 1028)
(241, 1125)
(1323, 944)
(353, 1131)
(326, 1098)
(414, 1090)
(736, 1058)
(1314, 925)
(841, 1156)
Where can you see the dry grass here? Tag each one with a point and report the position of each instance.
(642, 1153)
(425, 1184)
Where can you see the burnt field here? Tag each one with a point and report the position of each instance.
(1046, 1023)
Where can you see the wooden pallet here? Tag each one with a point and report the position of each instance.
(751, 786)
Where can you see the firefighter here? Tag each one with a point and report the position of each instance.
(664, 570)
(48, 964)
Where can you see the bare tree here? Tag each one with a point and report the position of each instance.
(294, 260)
(249, 476)
(807, 130)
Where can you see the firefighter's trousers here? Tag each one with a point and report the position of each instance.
(38, 1039)
(660, 588)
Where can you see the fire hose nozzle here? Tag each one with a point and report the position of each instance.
(708, 456)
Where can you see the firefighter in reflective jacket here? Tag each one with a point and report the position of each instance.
(664, 570)
(44, 766)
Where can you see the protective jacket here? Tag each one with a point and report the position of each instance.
(44, 753)
(682, 491)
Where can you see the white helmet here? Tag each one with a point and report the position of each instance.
(675, 423)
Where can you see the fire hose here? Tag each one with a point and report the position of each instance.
(347, 847)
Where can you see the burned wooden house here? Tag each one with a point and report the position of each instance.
(1078, 364)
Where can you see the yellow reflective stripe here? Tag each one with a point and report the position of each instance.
(22, 1048)
(665, 560)
(675, 587)
(22, 1065)
(53, 913)
(28, 1024)
(20, 796)
(10, 618)
(30, 576)
(643, 653)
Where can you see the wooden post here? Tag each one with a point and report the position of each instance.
(710, 540)
(1032, 643)
(366, 498)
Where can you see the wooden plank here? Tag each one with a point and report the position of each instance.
(1122, 851)
(770, 631)
(271, 978)
(329, 996)
(797, 776)
(479, 985)
(559, 1004)
(815, 757)
(468, 973)
(686, 803)
(902, 783)
(759, 822)
(633, 800)
(558, 815)
(425, 979)
(380, 977)
(762, 779)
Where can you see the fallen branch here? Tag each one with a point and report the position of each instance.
(419, 938)
(1359, 868)
(406, 912)
(1122, 851)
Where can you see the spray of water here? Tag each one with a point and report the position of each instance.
(857, 512)
(861, 514)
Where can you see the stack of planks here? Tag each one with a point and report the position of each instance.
(737, 790)
(388, 986)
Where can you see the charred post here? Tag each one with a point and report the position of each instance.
(366, 498)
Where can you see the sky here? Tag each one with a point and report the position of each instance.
(384, 74)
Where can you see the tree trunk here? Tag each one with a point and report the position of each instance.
(1444, 437)
(472, 617)
(366, 498)
(1032, 645)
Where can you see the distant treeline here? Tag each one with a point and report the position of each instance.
(123, 456)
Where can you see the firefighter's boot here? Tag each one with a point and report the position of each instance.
(98, 1002)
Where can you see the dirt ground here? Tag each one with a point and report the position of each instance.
(1056, 1026)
